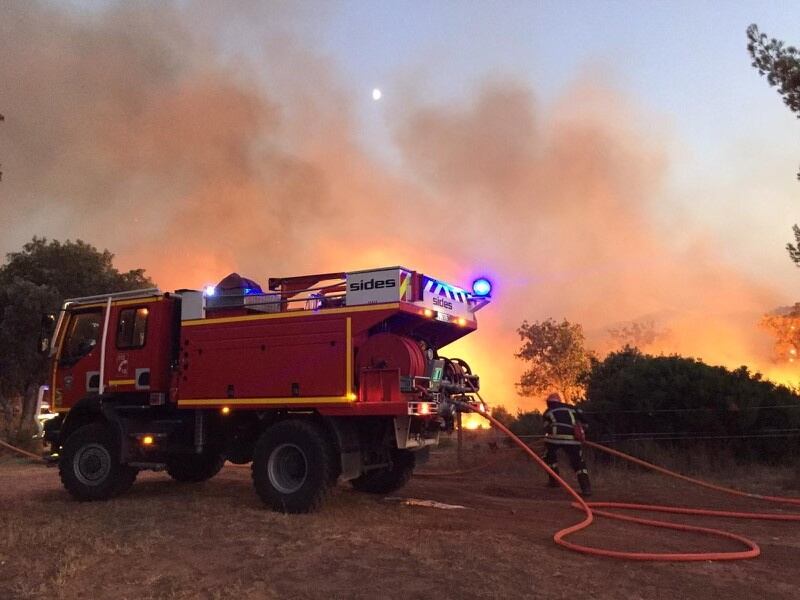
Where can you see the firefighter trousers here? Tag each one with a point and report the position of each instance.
(575, 454)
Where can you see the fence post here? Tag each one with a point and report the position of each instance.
(460, 438)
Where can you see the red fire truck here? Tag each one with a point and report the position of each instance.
(315, 379)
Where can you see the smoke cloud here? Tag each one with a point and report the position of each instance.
(132, 129)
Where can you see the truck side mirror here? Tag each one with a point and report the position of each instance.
(47, 326)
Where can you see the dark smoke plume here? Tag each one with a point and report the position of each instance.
(130, 127)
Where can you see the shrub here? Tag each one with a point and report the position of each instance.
(672, 398)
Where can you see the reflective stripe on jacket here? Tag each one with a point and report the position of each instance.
(559, 424)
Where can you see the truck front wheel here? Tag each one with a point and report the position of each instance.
(292, 466)
(89, 464)
(387, 479)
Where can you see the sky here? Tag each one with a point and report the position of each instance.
(683, 63)
(607, 162)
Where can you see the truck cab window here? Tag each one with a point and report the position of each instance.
(132, 328)
(83, 334)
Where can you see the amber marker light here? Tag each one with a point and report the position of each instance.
(351, 396)
(462, 321)
(428, 312)
(226, 410)
(147, 440)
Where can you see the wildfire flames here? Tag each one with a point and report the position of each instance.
(784, 326)
(194, 164)
(473, 421)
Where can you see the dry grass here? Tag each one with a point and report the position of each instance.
(169, 541)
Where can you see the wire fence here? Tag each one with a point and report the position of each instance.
(772, 433)
(645, 411)
(634, 436)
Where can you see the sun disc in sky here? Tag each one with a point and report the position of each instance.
(376, 94)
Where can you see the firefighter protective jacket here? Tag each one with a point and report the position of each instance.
(559, 423)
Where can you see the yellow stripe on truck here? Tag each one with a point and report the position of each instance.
(257, 401)
(284, 315)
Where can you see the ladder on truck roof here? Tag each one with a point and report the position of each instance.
(143, 293)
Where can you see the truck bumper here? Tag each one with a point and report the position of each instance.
(413, 432)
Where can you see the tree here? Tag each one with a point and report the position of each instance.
(794, 251)
(2, 118)
(780, 64)
(555, 356)
(22, 304)
(33, 282)
(528, 423)
(501, 414)
(640, 334)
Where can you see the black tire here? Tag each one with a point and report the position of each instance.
(292, 467)
(388, 479)
(195, 468)
(89, 464)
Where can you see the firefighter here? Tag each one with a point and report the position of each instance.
(561, 424)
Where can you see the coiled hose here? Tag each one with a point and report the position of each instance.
(595, 508)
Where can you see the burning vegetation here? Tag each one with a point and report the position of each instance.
(784, 324)
(130, 127)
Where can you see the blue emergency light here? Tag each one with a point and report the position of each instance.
(482, 287)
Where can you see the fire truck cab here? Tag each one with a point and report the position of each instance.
(314, 379)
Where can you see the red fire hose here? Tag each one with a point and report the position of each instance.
(30, 455)
(592, 508)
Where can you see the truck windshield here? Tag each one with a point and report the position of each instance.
(83, 334)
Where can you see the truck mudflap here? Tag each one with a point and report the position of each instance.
(412, 433)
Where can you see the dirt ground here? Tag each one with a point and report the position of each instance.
(215, 540)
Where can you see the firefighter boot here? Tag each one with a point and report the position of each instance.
(551, 481)
(586, 486)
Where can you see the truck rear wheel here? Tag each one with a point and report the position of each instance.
(194, 468)
(89, 464)
(292, 467)
(387, 479)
